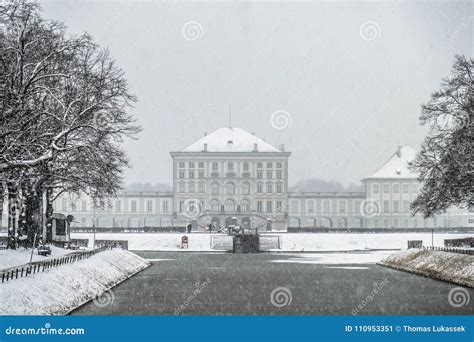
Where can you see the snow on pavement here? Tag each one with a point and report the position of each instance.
(336, 258)
(61, 289)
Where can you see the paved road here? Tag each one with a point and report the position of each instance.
(220, 284)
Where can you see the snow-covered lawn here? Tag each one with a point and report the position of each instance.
(453, 267)
(10, 258)
(293, 242)
(59, 290)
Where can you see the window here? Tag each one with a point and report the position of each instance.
(395, 223)
(279, 175)
(294, 206)
(259, 165)
(279, 207)
(375, 188)
(406, 206)
(269, 165)
(133, 206)
(229, 206)
(415, 188)
(342, 206)
(259, 187)
(201, 187)
(405, 223)
(84, 206)
(386, 206)
(269, 188)
(259, 206)
(415, 223)
(181, 206)
(191, 174)
(395, 206)
(181, 164)
(376, 223)
(191, 165)
(192, 187)
(215, 166)
(63, 205)
(230, 166)
(164, 205)
(230, 189)
(311, 206)
(245, 206)
(246, 188)
(149, 206)
(406, 188)
(73, 205)
(269, 174)
(181, 187)
(279, 165)
(246, 166)
(259, 174)
(201, 165)
(215, 188)
(386, 188)
(279, 188)
(326, 208)
(269, 207)
(118, 206)
(396, 188)
(201, 175)
(181, 175)
(356, 208)
(215, 206)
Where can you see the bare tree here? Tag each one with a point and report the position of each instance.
(445, 163)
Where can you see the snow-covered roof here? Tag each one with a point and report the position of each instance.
(398, 165)
(230, 139)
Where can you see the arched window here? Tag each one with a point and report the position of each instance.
(246, 188)
(279, 188)
(201, 187)
(229, 205)
(215, 206)
(259, 187)
(181, 187)
(245, 206)
(215, 188)
(269, 187)
(230, 189)
(192, 187)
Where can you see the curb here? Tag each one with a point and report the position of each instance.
(425, 274)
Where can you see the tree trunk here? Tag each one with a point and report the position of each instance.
(48, 238)
(12, 213)
(33, 213)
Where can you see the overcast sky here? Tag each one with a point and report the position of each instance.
(350, 76)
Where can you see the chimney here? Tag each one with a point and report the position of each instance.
(255, 147)
(281, 147)
(205, 147)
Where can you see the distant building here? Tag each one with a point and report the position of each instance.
(231, 174)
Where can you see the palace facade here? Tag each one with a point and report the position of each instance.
(231, 175)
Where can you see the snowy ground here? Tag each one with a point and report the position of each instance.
(453, 267)
(10, 258)
(59, 290)
(289, 242)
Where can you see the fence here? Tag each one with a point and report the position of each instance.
(451, 250)
(41, 266)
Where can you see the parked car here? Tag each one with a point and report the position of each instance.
(44, 250)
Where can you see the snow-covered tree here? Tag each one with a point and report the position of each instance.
(446, 160)
(64, 111)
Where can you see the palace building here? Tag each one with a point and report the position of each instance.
(232, 176)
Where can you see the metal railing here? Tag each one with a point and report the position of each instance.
(450, 250)
(41, 266)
